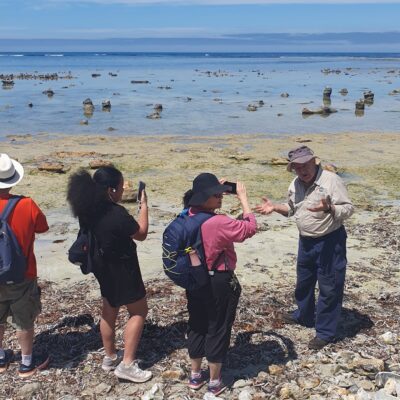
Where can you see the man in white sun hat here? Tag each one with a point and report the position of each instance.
(20, 219)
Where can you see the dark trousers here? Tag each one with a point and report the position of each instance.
(212, 311)
(324, 260)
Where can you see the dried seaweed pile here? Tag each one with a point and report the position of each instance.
(68, 329)
(267, 358)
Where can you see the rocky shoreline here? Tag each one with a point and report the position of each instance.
(267, 360)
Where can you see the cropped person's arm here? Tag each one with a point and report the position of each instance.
(236, 230)
(268, 207)
(41, 224)
(143, 219)
(341, 207)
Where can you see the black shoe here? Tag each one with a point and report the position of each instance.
(288, 318)
(5, 362)
(39, 362)
(317, 343)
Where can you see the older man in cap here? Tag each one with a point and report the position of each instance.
(19, 292)
(319, 202)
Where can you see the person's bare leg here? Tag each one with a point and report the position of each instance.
(25, 340)
(107, 327)
(196, 364)
(215, 370)
(133, 330)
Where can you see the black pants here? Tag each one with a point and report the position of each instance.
(212, 311)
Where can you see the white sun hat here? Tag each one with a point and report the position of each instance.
(11, 172)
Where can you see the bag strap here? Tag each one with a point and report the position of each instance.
(204, 218)
(11, 203)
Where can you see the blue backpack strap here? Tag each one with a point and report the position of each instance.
(11, 203)
(197, 219)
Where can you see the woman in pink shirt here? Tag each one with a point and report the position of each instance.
(212, 309)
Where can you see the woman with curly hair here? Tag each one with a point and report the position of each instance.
(94, 200)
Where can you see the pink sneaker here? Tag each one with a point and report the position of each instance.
(218, 388)
(198, 382)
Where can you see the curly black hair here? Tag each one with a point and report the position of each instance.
(87, 195)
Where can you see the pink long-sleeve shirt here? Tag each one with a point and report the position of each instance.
(219, 233)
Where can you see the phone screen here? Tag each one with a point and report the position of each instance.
(142, 186)
(232, 187)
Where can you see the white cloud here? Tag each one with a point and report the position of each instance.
(225, 2)
(170, 32)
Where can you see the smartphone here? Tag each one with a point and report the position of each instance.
(232, 186)
(142, 186)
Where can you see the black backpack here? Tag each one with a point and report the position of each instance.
(12, 260)
(181, 236)
(85, 251)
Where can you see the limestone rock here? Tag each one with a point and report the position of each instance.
(28, 390)
(129, 195)
(367, 365)
(48, 92)
(392, 387)
(278, 161)
(106, 105)
(239, 157)
(368, 95)
(55, 167)
(382, 395)
(252, 107)
(327, 91)
(321, 111)
(241, 383)
(389, 338)
(360, 105)
(87, 102)
(155, 393)
(102, 388)
(308, 382)
(382, 377)
(154, 115)
(88, 107)
(246, 394)
(94, 164)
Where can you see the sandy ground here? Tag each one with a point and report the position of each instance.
(68, 325)
(367, 162)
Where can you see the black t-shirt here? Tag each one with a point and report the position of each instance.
(113, 230)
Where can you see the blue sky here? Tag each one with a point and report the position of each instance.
(104, 19)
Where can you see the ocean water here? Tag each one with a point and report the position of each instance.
(220, 87)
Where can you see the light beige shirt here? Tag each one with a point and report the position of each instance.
(300, 198)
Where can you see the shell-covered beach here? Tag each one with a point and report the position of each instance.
(268, 359)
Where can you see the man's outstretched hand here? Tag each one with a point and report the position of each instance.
(266, 207)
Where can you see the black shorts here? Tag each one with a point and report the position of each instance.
(121, 282)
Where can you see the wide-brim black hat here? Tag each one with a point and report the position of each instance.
(204, 186)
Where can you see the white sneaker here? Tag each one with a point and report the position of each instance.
(132, 373)
(109, 364)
